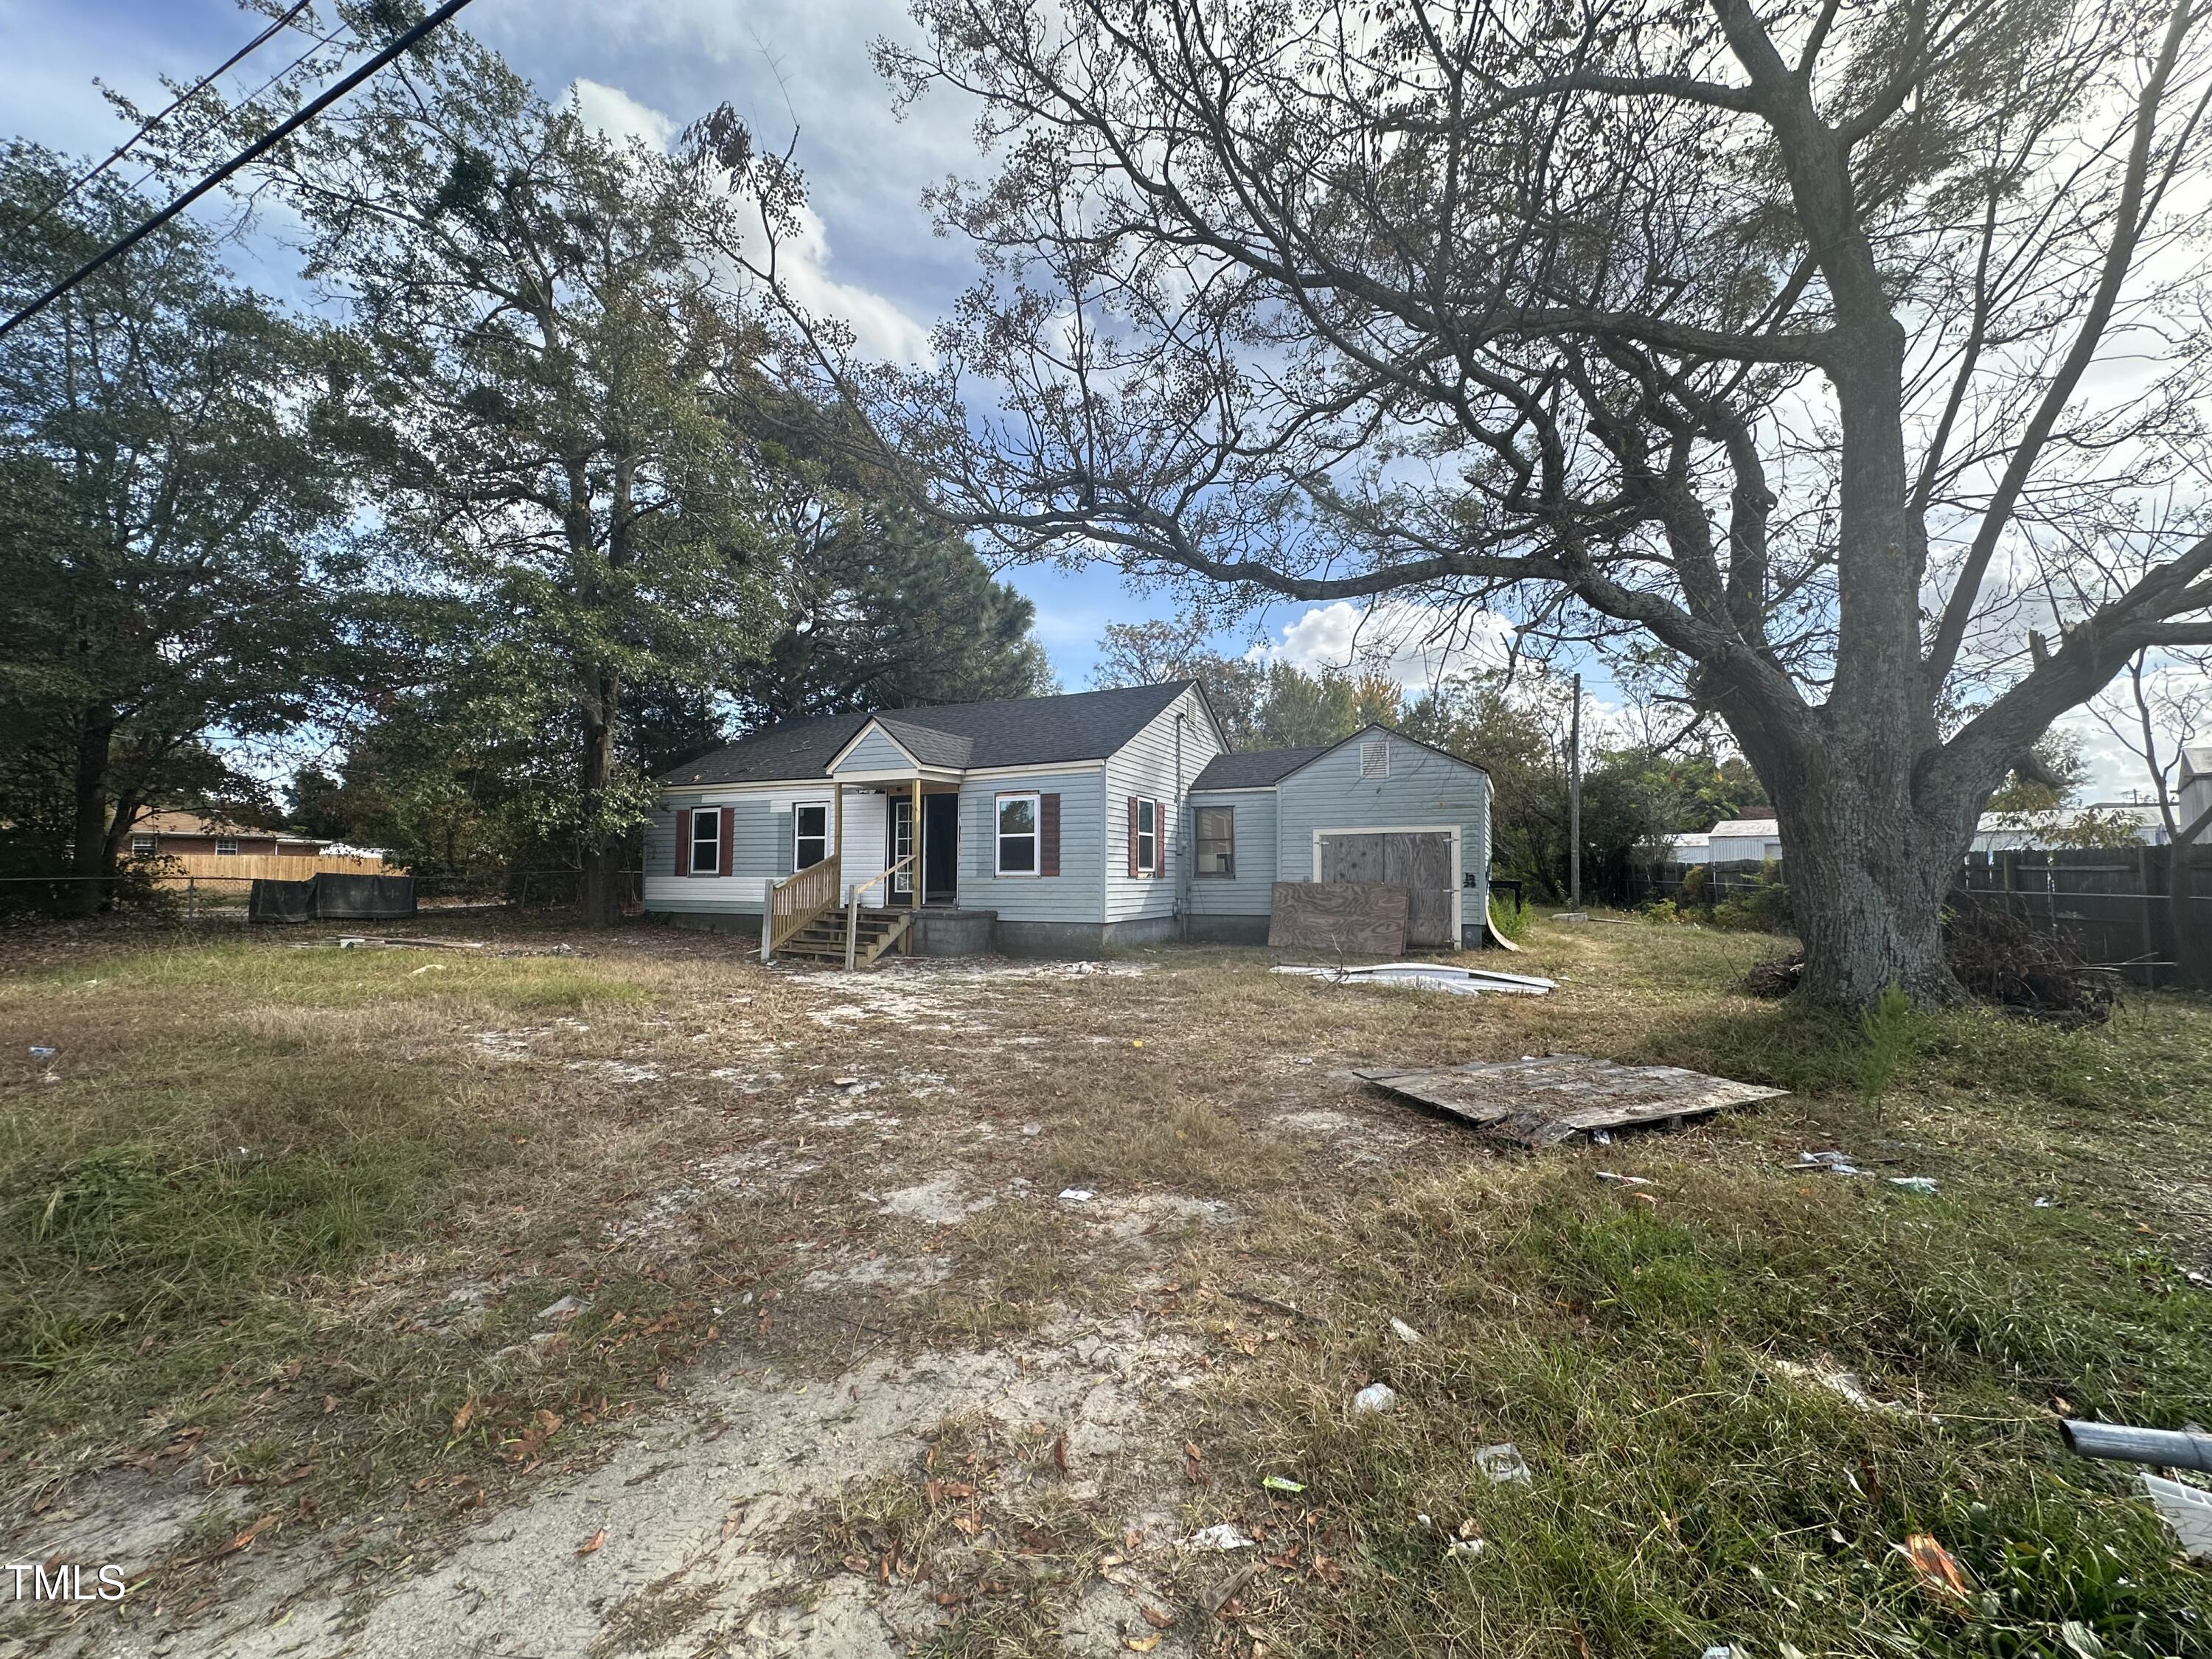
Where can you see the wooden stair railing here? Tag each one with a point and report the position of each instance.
(852, 908)
(797, 899)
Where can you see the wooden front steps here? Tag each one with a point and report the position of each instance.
(822, 940)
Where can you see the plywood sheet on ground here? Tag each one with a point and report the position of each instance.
(1346, 918)
(1538, 1102)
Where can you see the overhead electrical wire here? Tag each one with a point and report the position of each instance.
(260, 147)
(180, 100)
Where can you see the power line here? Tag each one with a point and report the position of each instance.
(251, 152)
(180, 100)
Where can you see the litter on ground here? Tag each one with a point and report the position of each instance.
(1283, 1483)
(1404, 1332)
(1626, 1181)
(1504, 1465)
(1220, 1536)
(1424, 976)
(1834, 1163)
(1924, 1186)
(1541, 1101)
(1375, 1397)
(2188, 1510)
(1077, 1195)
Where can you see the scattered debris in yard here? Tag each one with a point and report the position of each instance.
(1540, 1102)
(1220, 1536)
(1833, 1163)
(1404, 1332)
(1938, 1569)
(1503, 1464)
(1283, 1483)
(1920, 1186)
(2188, 1510)
(361, 941)
(1076, 1195)
(1375, 1397)
(1426, 976)
(1844, 1385)
(1366, 918)
(1624, 1179)
(1999, 958)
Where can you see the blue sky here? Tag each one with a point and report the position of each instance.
(652, 65)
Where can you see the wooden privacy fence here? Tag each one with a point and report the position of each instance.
(174, 869)
(2112, 905)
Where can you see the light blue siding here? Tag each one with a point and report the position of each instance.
(760, 847)
(1250, 891)
(876, 752)
(1070, 896)
(1423, 787)
(1149, 767)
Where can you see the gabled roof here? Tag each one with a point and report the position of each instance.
(1082, 725)
(1254, 769)
(2196, 761)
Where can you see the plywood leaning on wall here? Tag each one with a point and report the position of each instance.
(1344, 918)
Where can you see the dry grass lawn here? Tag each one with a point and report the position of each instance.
(608, 1294)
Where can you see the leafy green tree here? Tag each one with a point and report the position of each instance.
(555, 358)
(172, 493)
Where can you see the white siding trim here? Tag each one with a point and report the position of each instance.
(1459, 887)
(860, 737)
(1057, 768)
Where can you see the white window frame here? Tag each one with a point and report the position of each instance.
(1033, 835)
(145, 846)
(225, 847)
(1198, 870)
(1148, 864)
(1379, 750)
(828, 830)
(713, 840)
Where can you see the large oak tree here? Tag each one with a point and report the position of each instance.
(1845, 353)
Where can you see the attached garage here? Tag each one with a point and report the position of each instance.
(1423, 858)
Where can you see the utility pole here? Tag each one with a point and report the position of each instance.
(1575, 800)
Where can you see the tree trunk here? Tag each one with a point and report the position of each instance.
(91, 849)
(597, 898)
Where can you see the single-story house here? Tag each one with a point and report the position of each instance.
(1686, 848)
(1046, 826)
(179, 835)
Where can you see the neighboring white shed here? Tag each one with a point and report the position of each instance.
(1693, 846)
(2001, 832)
(2195, 784)
(1744, 841)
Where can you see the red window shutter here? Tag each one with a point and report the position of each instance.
(683, 841)
(729, 821)
(1133, 837)
(1048, 834)
(1160, 838)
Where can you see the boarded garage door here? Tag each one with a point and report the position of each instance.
(1420, 861)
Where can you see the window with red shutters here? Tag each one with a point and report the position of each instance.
(1048, 834)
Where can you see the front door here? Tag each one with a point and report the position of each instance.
(941, 847)
(901, 845)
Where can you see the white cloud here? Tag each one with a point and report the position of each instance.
(1417, 644)
(618, 115)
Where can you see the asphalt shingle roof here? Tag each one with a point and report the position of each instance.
(1254, 769)
(1010, 731)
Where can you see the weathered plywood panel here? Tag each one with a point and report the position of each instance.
(1421, 864)
(1536, 1103)
(1364, 918)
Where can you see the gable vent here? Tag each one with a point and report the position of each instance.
(1375, 758)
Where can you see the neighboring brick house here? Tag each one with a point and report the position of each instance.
(179, 835)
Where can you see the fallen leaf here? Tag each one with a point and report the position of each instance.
(240, 1541)
(1934, 1565)
(591, 1546)
(1060, 1454)
(1141, 1644)
(467, 1411)
(1156, 1619)
(330, 1404)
